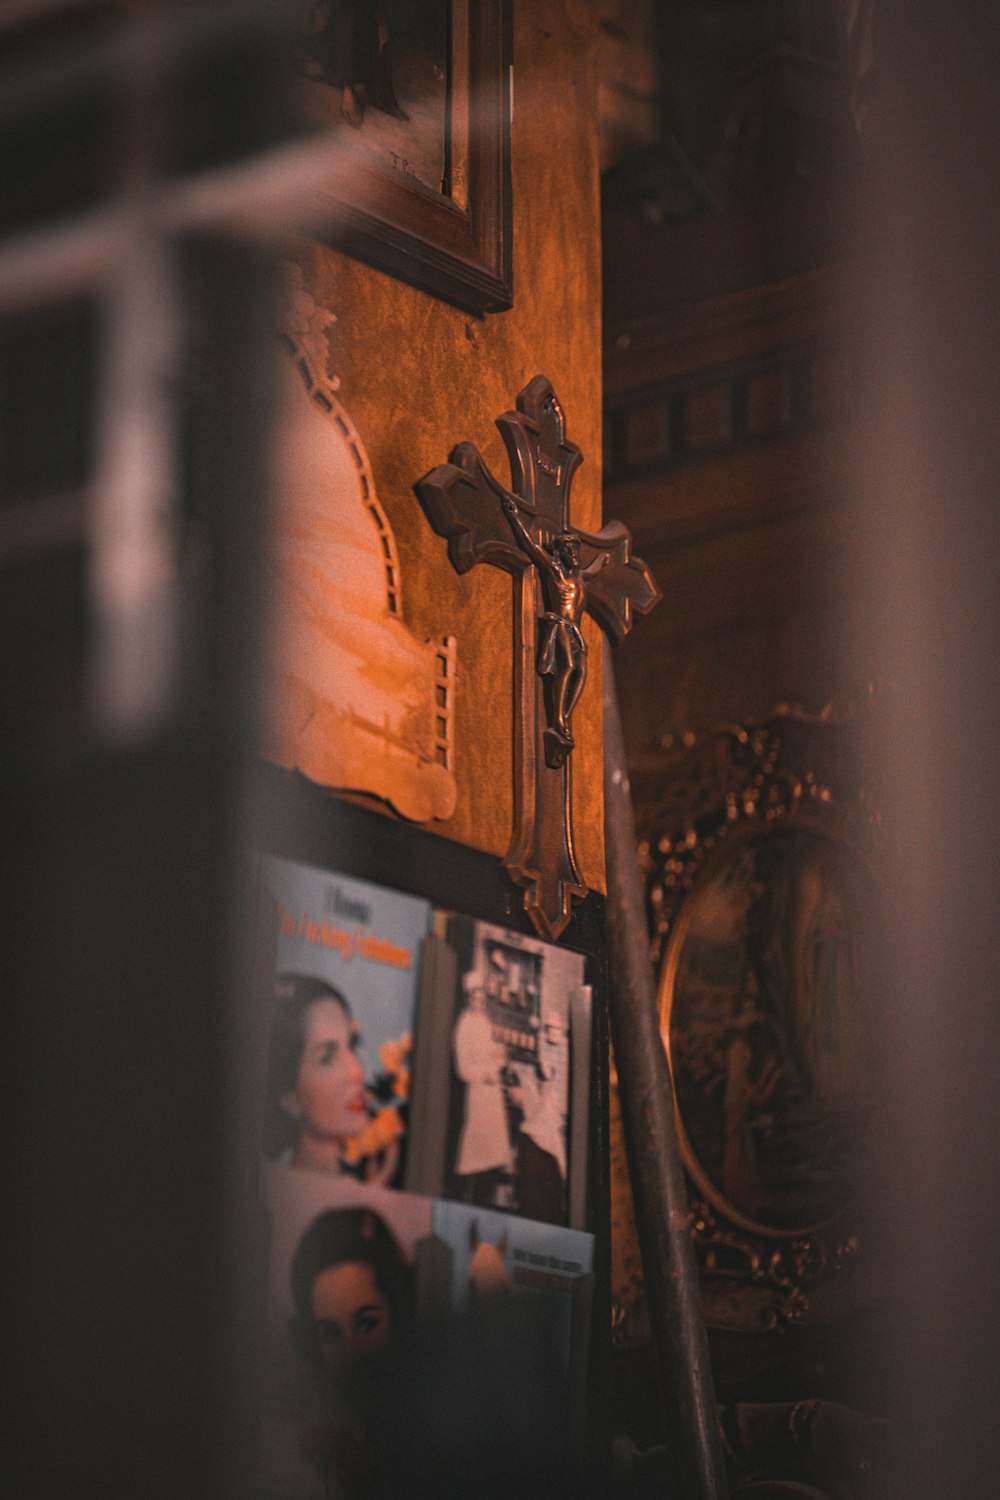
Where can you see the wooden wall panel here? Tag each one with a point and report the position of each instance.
(418, 376)
(730, 421)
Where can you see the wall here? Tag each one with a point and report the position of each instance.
(730, 423)
(734, 400)
(418, 376)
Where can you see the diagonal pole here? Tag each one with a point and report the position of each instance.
(689, 1424)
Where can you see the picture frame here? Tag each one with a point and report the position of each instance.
(760, 868)
(454, 243)
(538, 1012)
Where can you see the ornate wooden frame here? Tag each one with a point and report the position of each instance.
(462, 254)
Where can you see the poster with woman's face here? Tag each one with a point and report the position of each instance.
(346, 973)
(341, 1300)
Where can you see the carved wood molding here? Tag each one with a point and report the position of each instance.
(722, 410)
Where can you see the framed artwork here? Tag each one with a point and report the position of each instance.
(768, 991)
(767, 913)
(418, 93)
(503, 1082)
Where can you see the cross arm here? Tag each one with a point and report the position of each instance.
(463, 503)
(621, 588)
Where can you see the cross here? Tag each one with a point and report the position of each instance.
(558, 572)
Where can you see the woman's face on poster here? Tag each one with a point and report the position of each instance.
(329, 1090)
(352, 1316)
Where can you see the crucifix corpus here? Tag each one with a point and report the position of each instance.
(558, 572)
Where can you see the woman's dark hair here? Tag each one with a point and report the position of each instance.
(338, 1237)
(293, 995)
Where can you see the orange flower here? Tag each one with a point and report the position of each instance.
(394, 1054)
(382, 1129)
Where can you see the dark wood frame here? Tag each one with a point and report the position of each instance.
(463, 256)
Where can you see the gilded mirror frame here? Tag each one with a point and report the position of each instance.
(715, 796)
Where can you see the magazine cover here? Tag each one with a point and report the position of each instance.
(343, 1285)
(341, 1025)
(369, 1290)
(499, 1265)
(495, 1254)
(505, 1041)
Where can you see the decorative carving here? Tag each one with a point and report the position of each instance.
(791, 767)
(357, 703)
(752, 1285)
(559, 572)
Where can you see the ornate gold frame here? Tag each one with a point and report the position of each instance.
(733, 786)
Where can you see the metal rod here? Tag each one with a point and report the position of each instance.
(689, 1422)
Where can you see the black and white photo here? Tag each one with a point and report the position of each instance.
(511, 1020)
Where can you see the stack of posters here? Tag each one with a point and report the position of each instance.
(425, 1158)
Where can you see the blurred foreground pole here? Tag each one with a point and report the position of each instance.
(687, 1400)
(154, 169)
(930, 562)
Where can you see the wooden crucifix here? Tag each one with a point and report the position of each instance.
(559, 572)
